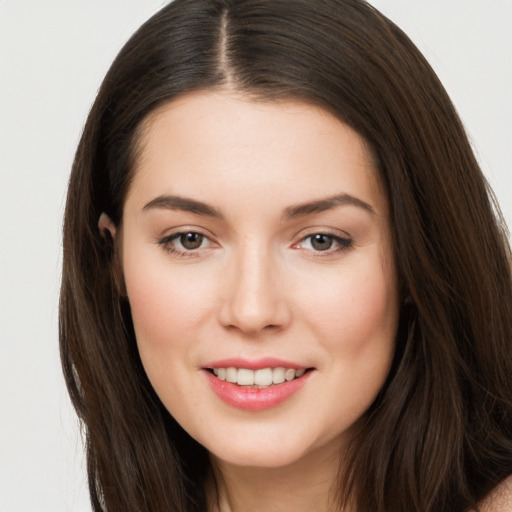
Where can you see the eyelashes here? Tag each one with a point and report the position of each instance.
(324, 243)
(185, 244)
(191, 244)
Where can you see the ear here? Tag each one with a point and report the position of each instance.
(107, 227)
(108, 232)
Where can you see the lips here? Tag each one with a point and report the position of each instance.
(260, 379)
(256, 385)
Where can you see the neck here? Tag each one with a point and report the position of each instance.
(307, 484)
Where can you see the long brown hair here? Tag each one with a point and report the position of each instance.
(439, 435)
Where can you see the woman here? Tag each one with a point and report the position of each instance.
(284, 283)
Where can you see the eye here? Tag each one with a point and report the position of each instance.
(185, 243)
(321, 242)
(190, 241)
(324, 242)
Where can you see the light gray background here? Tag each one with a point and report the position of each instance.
(53, 55)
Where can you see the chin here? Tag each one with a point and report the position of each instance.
(258, 458)
(266, 450)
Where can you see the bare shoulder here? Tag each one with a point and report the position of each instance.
(500, 499)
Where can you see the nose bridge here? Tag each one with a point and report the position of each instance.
(255, 299)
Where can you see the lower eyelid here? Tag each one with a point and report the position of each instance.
(340, 243)
(170, 243)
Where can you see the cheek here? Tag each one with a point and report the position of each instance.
(168, 307)
(356, 325)
(356, 314)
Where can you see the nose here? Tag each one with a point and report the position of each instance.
(255, 298)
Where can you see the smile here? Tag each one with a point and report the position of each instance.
(258, 379)
(265, 384)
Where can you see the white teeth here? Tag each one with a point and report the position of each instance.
(245, 377)
(262, 378)
(289, 374)
(231, 375)
(278, 375)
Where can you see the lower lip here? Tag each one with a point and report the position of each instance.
(253, 399)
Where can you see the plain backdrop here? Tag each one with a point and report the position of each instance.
(53, 55)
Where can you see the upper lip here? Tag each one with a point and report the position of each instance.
(255, 364)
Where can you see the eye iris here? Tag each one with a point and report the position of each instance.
(191, 240)
(321, 242)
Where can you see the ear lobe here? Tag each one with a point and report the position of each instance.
(107, 227)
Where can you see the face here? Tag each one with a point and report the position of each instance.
(259, 270)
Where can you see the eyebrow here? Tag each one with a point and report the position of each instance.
(173, 202)
(322, 205)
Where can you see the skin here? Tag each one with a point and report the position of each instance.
(500, 499)
(258, 287)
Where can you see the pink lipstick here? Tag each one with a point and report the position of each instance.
(255, 385)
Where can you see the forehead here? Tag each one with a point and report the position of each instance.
(218, 144)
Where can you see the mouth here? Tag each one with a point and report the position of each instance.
(262, 378)
(256, 386)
